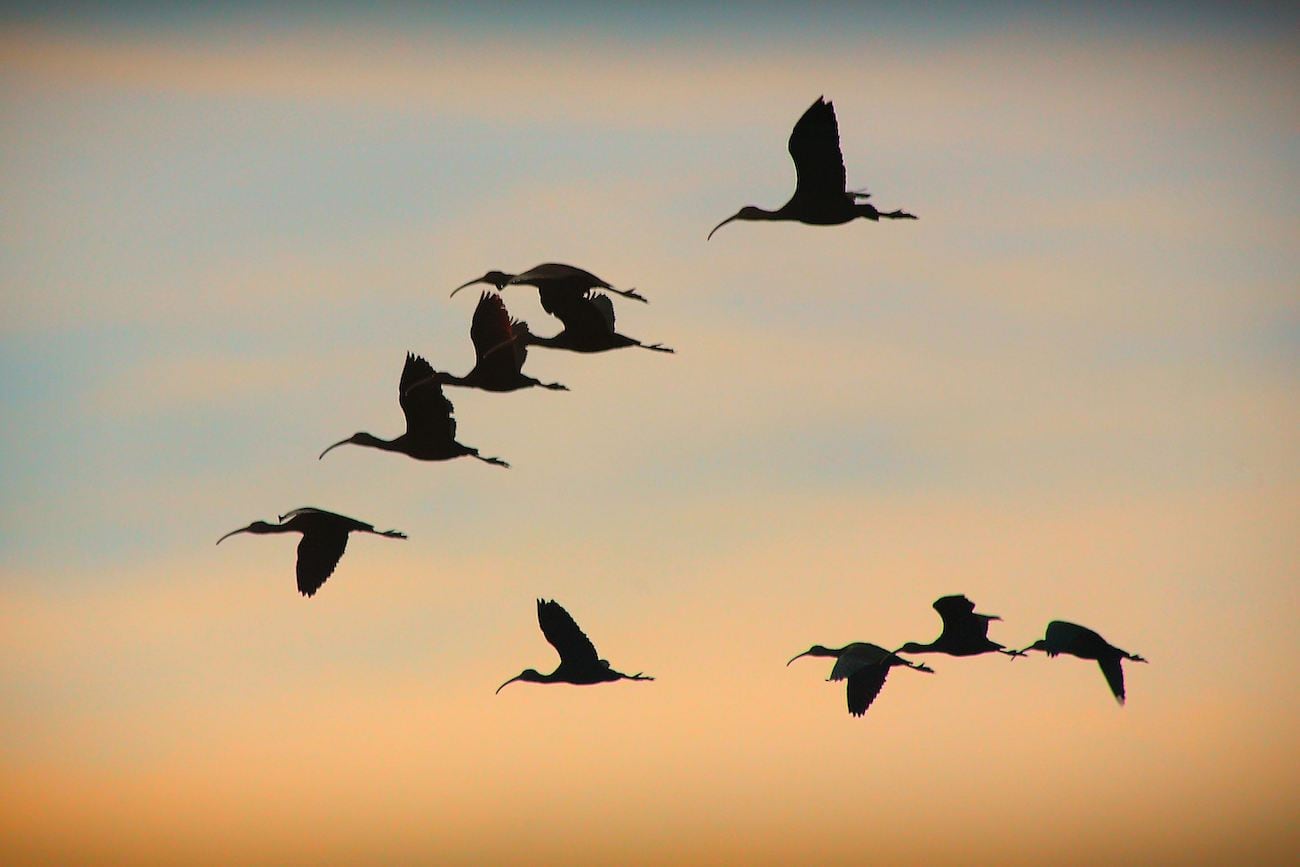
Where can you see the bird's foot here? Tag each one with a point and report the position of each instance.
(921, 666)
(1133, 657)
(393, 534)
(656, 347)
(555, 386)
(496, 462)
(1013, 653)
(631, 293)
(897, 215)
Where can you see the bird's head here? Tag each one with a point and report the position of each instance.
(1040, 644)
(529, 674)
(499, 279)
(749, 212)
(921, 666)
(912, 647)
(359, 439)
(815, 650)
(255, 527)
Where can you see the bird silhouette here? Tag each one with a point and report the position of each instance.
(588, 327)
(430, 429)
(1063, 637)
(324, 538)
(498, 356)
(555, 283)
(820, 197)
(579, 663)
(964, 633)
(865, 666)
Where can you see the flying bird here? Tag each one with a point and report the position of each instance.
(555, 283)
(820, 197)
(430, 429)
(964, 633)
(498, 356)
(1082, 642)
(324, 538)
(865, 666)
(588, 327)
(578, 660)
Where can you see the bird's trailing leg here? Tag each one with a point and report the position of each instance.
(554, 386)
(497, 462)
(656, 347)
(1012, 653)
(896, 215)
(392, 534)
(637, 676)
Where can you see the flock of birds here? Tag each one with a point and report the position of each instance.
(578, 299)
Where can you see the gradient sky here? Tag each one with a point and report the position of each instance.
(1069, 390)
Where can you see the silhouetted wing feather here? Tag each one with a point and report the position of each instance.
(606, 307)
(1114, 672)
(564, 635)
(310, 518)
(1064, 637)
(864, 686)
(318, 554)
(815, 149)
(427, 410)
(857, 656)
(492, 327)
(557, 274)
(583, 315)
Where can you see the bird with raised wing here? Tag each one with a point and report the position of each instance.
(324, 538)
(1063, 637)
(498, 356)
(865, 666)
(588, 327)
(964, 633)
(579, 663)
(430, 428)
(820, 197)
(555, 282)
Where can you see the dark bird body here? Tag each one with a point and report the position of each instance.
(556, 283)
(588, 327)
(579, 662)
(430, 429)
(865, 666)
(1063, 637)
(324, 539)
(965, 633)
(498, 356)
(820, 197)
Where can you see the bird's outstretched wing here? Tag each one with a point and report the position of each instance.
(556, 274)
(1114, 672)
(318, 554)
(856, 657)
(959, 618)
(864, 686)
(564, 635)
(1065, 637)
(815, 149)
(587, 317)
(427, 410)
(312, 517)
(492, 328)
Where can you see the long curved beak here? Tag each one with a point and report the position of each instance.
(793, 658)
(507, 683)
(233, 532)
(467, 285)
(720, 225)
(336, 445)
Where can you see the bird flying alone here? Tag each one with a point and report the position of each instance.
(579, 662)
(865, 666)
(324, 538)
(820, 197)
(1063, 637)
(430, 428)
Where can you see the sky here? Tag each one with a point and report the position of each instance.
(1068, 391)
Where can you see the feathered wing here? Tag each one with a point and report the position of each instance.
(558, 274)
(815, 149)
(427, 410)
(318, 554)
(589, 318)
(1114, 671)
(1065, 637)
(564, 635)
(492, 328)
(864, 686)
(855, 657)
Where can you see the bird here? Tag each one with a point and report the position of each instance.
(555, 283)
(820, 197)
(324, 538)
(430, 429)
(492, 328)
(579, 663)
(1063, 637)
(964, 633)
(588, 327)
(866, 666)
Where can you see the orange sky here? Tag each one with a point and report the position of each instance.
(1067, 391)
